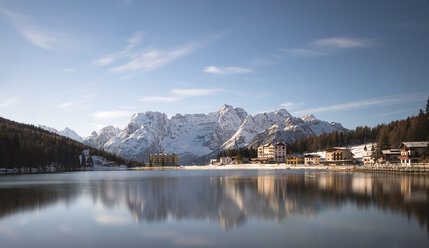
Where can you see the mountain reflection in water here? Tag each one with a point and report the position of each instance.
(230, 200)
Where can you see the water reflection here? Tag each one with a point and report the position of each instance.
(229, 200)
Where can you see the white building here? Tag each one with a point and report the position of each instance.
(311, 159)
(213, 161)
(411, 152)
(225, 160)
(367, 160)
(272, 153)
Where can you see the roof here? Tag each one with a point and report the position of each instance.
(269, 144)
(415, 144)
(295, 155)
(163, 154)
(312, 156)
(336, 148)
(391, 151)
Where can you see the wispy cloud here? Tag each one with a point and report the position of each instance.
(342, 43)
(159, 99)
(195, 92)
(7, 102)
(68, 69)
(226, 70)
(153, 59)
(291, 105)
(330, 45)
(112, 114)
(410, 25)
(150, 58)
(395, 112)
(382, 101)
(132, 42)
(65, 105)
(37, 35)
(303, 52)
(80, 102)
(180, 94)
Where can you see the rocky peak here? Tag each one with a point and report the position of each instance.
(308, 118)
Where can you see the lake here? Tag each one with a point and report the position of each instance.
(218, 208)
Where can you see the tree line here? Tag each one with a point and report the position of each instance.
(385, 136)
(239, 153)
(23, 145)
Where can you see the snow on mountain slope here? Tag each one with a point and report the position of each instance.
(100, 138)
(67, 132)
(253, 125)
(196, 137)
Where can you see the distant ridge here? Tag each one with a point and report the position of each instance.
(66, 132)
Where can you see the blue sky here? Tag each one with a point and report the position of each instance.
(87, 64)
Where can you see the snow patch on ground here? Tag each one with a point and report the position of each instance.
(101, 163)
(357, 150)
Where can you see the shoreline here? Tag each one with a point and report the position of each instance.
(249, 167)
(419, 169)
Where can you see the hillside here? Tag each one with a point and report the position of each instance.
(385, 136)
(28, 146)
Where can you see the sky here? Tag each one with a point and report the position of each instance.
(88, 64)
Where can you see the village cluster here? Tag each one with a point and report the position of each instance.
(407, 154)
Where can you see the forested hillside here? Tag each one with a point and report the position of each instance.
(386, 136)
(23, 145)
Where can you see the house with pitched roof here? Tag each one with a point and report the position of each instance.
(411, 152)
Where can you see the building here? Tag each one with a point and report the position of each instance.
(367, 160)
(391, 156)
(411, 152)
(271, 153)
(213, 162)
(338, 156)
(311, 159)
(295, 159)
(86, 159)
(225, 160)
(240, 160)
(161, 159)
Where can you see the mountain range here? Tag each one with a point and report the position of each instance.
(198, 137)
(66, 132)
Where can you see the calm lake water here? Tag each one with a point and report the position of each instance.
(214, 208)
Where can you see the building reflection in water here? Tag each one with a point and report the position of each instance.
(232, 200)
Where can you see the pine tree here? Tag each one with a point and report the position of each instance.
(427, 107)
(83, 160)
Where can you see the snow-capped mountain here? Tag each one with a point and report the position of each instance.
(67, 132)
(197, 137)
(292, 128)
(101, 138)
